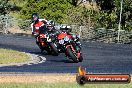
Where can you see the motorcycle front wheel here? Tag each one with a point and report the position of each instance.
(72, 55)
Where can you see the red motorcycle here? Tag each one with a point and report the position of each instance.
(46, 42)
(69, 47)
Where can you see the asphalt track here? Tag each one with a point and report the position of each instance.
(98, 57)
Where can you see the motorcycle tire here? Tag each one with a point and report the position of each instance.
(71, 55)
(54, 49)
(81, 58)
(48, 51)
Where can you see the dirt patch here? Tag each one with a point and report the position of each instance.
(35, 78)
(15, 30)
(90, 6)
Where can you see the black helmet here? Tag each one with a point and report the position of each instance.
(35, 17)
(50, 25)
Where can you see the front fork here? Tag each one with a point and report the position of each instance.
(75, 51)
(76, 47)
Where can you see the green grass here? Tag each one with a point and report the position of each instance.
(12, 56)
(19, 3)
(62, 85)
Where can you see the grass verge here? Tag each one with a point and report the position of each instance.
(12, 56)
(62, 85)
(50, 81)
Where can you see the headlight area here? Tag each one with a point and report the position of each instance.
(66, 38)
(61, 41)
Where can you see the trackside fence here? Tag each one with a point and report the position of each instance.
(85, 33)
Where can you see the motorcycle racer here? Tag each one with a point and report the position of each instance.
(51, 29)
(67, 29)
(38, 26)
(75, 37)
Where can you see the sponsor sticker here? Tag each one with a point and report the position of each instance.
(83, 77)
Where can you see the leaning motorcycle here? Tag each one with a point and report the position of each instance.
(69, 47)
(46, 42)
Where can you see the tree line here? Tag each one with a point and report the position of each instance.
(73, 11)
